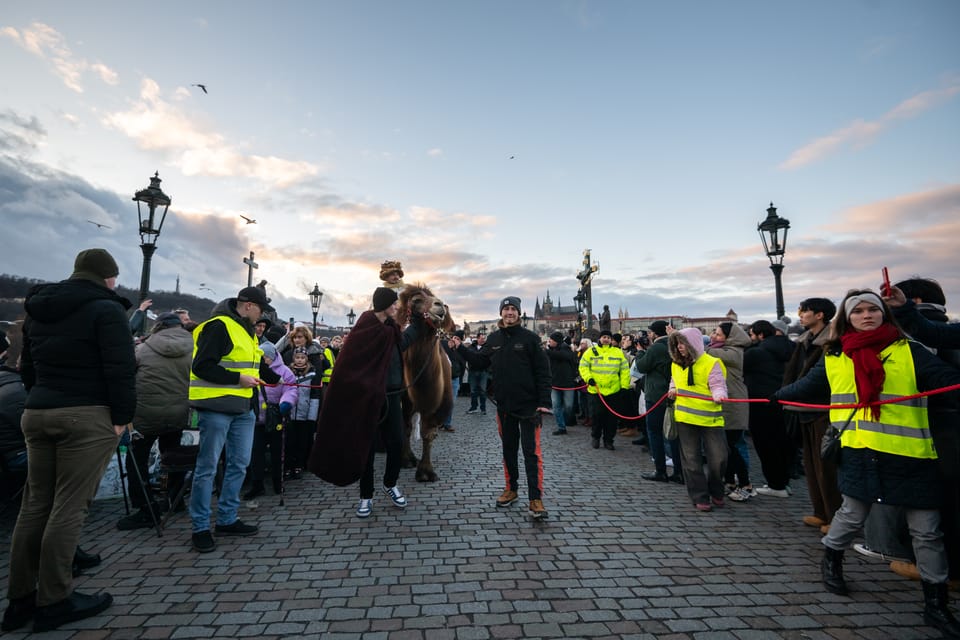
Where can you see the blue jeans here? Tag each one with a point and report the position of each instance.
(562, 401)
(658, 445)
(478, 389)
(456, 390)
(219, 431)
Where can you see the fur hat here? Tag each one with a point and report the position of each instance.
(95, 264)
(383, 297)
(388, 267)
(510, 300)
(659, 327)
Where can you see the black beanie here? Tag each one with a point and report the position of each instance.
(383, 298)
(95, 264)
(557, 337)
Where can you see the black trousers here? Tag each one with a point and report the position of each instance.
(299, 442)
(604, 422)
(266, 436)
(391, 432)
(516, 432)
(139, 451)
(774, 447)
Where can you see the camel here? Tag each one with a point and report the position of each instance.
(426, 374)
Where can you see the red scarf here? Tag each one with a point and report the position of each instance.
(864, 347)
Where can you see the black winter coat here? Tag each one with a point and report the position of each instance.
(563, 366)
(12, 397)
(520, 369)
(872, 476)
(77, 349)
(764, 364)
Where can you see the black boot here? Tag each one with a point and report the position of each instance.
(832, 569)
(83, 560)
(935, 610)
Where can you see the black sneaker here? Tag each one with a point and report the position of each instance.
(76, 606)
(203, 541)
(19, 612)
(237, 529)
(560, 432)
(138, 520)
(608, 446)
(595, 443)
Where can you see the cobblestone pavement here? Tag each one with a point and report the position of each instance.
(617, 558)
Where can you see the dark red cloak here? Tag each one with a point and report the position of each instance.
(353, 401)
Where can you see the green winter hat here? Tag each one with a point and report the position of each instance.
(95, 264)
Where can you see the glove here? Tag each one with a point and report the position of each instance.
(285, 408)
(592, 382)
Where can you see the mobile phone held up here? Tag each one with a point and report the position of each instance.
(886, 283)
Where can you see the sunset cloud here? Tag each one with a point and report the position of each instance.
(47, 43)
(861, 132)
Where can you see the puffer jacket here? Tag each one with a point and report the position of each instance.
(736, 415)
(163, 381)
(77, 349)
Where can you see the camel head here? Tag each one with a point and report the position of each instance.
(417, 300)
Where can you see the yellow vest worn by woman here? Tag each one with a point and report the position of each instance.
(244, 358)
(700, 409)
(903, 428)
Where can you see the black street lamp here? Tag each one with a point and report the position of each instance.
(315, 297)
(773, 233)
(152, 197)
(579, 299)
(351, 317)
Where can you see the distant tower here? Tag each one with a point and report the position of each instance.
(547, 305)
(178, 284)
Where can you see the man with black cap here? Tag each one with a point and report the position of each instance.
(653, 364)
(78, 368)
(605, 369)
(563, 366)
(227, 366)
(521, 372)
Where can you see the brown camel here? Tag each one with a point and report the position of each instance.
(426, 373)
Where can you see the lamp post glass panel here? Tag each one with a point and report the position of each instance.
(773, 234)
(315, 297)
(148, 201)
(351, 317)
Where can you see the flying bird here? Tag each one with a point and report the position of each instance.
(511, 157)
(100, 226)
(249, 220)
(202, 86)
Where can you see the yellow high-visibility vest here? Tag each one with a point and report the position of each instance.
(326, 373)
(608, 367)
(903, 428)
(244, 358)
(700, 409)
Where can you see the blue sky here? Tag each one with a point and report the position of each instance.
(655, 134)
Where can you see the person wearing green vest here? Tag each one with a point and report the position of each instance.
(888, 454)
(698, 385)
(606, 372)
(227, 366)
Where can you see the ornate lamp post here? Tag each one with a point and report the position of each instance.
(315, 297)
(579, 299)
(351, 317)
(773, 233)
(152, 198)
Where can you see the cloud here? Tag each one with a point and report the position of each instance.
(47, 43)
(19, 135)
(157, 125)
(861, 132)
(435, 152)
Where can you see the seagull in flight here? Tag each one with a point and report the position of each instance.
(99, 226)
(202, 86)
(511, 157)
(249, 220)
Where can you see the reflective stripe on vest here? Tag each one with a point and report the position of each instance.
(903, 428)
(700, 409)
(244, 358)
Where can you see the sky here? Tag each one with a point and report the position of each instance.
(486, 145)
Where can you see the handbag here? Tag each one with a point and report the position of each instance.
(830, 446)
(669, 424)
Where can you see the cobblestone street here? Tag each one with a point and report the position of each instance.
(617, 558)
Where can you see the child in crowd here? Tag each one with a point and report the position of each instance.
(303, 416)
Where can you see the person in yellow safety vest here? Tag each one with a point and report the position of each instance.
(698, 384)
(606, 371)
(887, 454)
(329, 358)
(227, 366)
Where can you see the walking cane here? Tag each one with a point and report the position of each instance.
(282, 426)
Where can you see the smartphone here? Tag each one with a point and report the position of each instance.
(886, 283)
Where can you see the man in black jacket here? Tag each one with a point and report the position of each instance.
(78, 368)
(521, 374)
(563, 366)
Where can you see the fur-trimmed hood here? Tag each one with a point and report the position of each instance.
(692, 340)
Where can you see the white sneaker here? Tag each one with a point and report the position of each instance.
(669, 462)
(863, 549)
(767, 490)
(739, 495)
(365, 508)
(394, 493)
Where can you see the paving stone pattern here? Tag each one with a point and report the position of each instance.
(618, 557)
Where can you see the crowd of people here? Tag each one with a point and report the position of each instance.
(868, 373)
